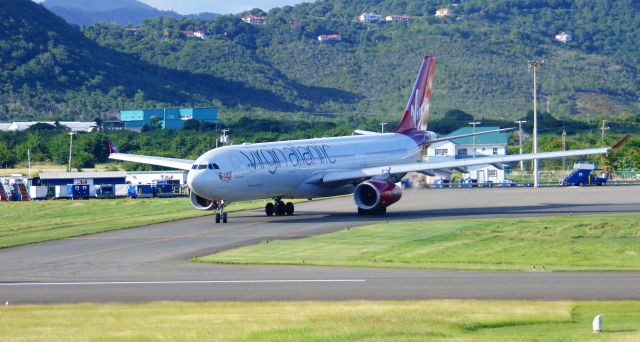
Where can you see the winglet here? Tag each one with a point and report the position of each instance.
(113, 148)
(620, 143)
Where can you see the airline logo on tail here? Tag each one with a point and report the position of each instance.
(416, 113)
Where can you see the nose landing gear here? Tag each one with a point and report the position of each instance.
(221, 215)
(279, 208)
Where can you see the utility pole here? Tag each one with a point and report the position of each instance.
(382, 124)
(474, 123)
(535, 65)
(603, 128)
(520, 122)
(70, 147)
(224, 138)
(564, 147)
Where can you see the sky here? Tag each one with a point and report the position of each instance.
(217, 6)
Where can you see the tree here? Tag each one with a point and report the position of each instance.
(7, 157)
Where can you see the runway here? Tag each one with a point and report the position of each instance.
(151, 263)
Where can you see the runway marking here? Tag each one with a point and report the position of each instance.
(186, 282)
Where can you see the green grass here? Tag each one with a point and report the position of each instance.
(444, 320)
(36, 221)
(583, 242)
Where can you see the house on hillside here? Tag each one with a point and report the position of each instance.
(254, 20)
(329, 38)
(443, 12)
(396, 17)
(481, 146)
(369, 18)
(201, 35)
(564, 37)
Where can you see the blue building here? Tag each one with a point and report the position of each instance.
(167, 117)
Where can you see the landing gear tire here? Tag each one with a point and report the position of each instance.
(289, 209)
(221, 215)
(269, 209)
(280, 208)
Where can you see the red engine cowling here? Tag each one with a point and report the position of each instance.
(376, 195)
(201, 203)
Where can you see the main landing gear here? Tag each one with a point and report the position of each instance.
(279, 208)
(221, 215)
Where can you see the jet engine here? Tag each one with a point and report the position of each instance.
(201, 203)
(374, 196)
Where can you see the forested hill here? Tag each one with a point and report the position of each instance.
(481, 48)
(52, 70)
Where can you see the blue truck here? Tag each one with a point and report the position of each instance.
(583, 175)
(78, 191)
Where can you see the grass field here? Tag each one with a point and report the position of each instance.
(583, 242)
(323, 321)
(35, 221)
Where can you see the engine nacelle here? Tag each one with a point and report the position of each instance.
(201, 203)
(376, 195)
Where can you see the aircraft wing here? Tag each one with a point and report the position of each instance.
(340, 176)
(180, 164)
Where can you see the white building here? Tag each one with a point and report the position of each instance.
(74, 126)
(486, 145)
(398, 18)
(329, 37)
(369, 18)
(201, 34)
(147, 177)
(443, 12)
(564, 37)
(254, 20)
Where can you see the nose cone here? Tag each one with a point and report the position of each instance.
(195, 182)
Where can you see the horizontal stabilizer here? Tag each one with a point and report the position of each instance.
(453, 137)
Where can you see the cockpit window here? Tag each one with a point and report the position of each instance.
(202, 167)
(214, 166)
(194, 167)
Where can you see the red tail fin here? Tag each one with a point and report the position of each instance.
(113, 148)
(416, 114)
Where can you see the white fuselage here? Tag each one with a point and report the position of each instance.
(294, 169)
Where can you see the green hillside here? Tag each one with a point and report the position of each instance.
(52, 70)
(481, 48)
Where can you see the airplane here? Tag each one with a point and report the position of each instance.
(367, 165)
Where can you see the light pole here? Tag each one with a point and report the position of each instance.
(474, 123)
(382, 124)
(535, 65)
(70, 146)
(520, 122)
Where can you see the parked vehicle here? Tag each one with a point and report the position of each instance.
(583, 175)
